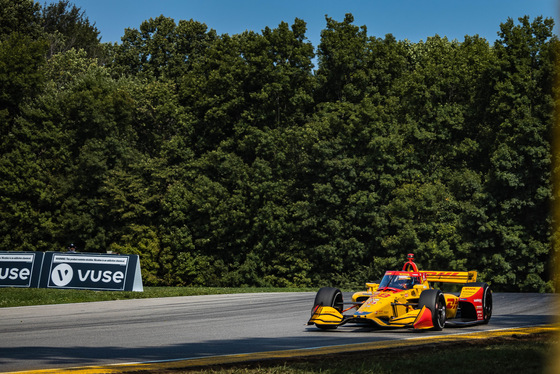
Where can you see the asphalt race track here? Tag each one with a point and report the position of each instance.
(147, 330)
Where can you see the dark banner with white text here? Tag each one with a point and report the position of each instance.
(20, 269)
(87, 271)
(91, 271)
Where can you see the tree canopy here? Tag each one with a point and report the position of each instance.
(231, 160)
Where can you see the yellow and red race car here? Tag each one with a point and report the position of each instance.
(406, 298)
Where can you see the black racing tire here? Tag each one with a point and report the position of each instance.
(328, 296)
(486, 300)
(435, 302)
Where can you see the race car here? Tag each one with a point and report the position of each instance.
(406, 299)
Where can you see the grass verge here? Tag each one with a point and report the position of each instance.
(10, 297)
(526, 354)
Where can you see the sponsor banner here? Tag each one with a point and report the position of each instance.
(92, 271)
(20, 269)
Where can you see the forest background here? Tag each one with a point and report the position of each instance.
(232, 160)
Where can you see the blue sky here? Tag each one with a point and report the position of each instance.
(414, 20)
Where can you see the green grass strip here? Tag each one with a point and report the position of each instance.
(11, 297)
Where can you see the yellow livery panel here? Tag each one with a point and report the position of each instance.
(450, 276)
(326, 315)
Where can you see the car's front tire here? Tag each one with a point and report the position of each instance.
(328, 296)
(435, 302)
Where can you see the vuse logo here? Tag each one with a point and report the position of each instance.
(62, 275)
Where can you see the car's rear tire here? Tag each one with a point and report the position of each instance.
(486, 300)
(435, 302)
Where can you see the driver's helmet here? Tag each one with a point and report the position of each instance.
(405, 282)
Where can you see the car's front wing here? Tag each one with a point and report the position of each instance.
(328, 317)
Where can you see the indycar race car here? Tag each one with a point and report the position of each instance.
(406, 299)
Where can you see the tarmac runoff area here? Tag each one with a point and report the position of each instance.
(190, 363)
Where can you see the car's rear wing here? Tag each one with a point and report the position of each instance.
(450, 276)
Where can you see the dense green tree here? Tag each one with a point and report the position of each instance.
(162, 48)
(521, 108)
(225, 160)
(23, 16)
(250, 82)
(67, 27)
(21, 78)
(342, 61)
